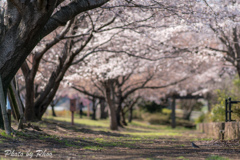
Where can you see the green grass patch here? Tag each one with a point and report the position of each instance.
(93, 148)
(181, 157)
(40, 124)
(141, 125)
(146, 125)
(216, 157)
(4, 134)
(153, 134)
(180, 145)
(70, 144)
(201, 139)
(86, 122)
(133, 134)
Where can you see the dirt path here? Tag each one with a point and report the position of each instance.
(60, 140)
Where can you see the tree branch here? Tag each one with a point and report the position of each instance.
(69, 12)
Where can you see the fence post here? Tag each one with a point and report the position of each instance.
(230, 110)
(226, 110)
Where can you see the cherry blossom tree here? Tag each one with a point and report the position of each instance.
(117, 79)
(225, 28)
(95, 34)
(72, 45)
(25, 23)
(117, 76)
(217, 24)
(140, 51)
(30, 20)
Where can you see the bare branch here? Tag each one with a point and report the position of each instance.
(69, 12)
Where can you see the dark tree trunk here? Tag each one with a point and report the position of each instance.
(118, 115)
(29, 112)
(103, 108)
(112, 117)
(6, 123)
(94, 114)
(187, 114)
(53, 111)
(173, 115)
(94, 109)
(209, 105)
(188, 108)
(123, 119)
(1, 115)
(109, 94)
(39, 104)
(130, 115)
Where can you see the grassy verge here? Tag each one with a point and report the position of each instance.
(94, 138)
(135, 129)
(84, 122)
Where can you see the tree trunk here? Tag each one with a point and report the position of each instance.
(94, 109)
(123, 120)
(112, 117)
(187, 114)
(13, 104)
(94, 113)
(6, 122)
(52, 86)
(29, 112)
(53, 111)
(104, 113)
(1, 121)
(109, 94)
(130, 116)
(173, 113)
(118, 114)
(188, 108)
(16, 104)
(209, 102)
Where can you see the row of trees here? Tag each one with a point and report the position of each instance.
(117, 49)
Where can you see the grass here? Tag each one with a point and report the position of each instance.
(88, 122)
(4, 134)
(143, 125)
(146, 125)
(95, 148)
(181, 145)
(201, 139)
(95, 135)
(181, 157)
(133, 134)
(153, 134)
(216, 157)
(139, 125)
(138, 129)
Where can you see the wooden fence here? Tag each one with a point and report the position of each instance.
(221, 130)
